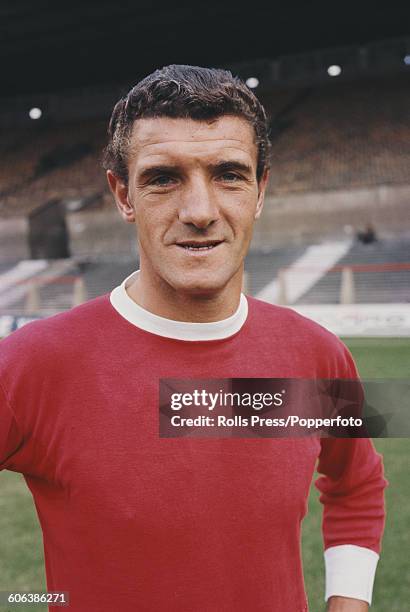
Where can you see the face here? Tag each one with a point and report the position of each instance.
(194, 196)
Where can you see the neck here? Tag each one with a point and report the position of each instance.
(160, 298)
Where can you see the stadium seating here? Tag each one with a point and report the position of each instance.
(341, 135)
(336, 136)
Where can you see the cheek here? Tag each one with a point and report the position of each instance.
(242, 219)
(241, 207)
(153, 222)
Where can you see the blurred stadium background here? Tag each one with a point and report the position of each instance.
(334, 239)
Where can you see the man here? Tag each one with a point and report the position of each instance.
(132, 521)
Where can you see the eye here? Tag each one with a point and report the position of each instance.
(162, 181)
(230, 177)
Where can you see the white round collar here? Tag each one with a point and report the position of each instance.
(179, 330)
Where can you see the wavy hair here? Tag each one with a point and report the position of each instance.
(179, 91)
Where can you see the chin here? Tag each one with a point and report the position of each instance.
(198, 285)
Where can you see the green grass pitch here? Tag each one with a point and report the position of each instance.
(21, 555)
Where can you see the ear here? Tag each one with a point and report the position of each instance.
(120, 193)
(261, 192)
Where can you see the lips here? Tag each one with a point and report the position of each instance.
(196, 245)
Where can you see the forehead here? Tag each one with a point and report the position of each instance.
(187, 140)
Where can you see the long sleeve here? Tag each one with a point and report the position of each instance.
(352, 493)
(10, 435)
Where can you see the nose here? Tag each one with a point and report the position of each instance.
(198, 204)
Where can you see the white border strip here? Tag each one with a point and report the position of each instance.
(360, 319)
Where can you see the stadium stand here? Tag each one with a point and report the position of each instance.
(326, 138)
(341, 135)
(54, 161)
(381, 274)
(375, 280)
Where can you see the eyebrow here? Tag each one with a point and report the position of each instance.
(148, 172)
(173, 169)
(228, 165)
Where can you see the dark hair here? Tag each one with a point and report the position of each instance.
(179, 91)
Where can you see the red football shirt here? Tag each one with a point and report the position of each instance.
(132, 521)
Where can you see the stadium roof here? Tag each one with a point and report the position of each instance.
(50, 46)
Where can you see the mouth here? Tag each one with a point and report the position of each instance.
(199, 246)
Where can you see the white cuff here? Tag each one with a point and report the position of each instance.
(350, 571)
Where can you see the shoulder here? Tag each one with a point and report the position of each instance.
(302, 336)
(283, 318)
(43, 339)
